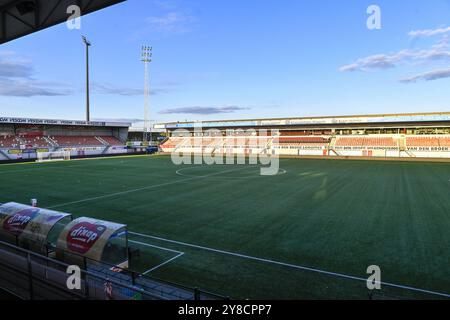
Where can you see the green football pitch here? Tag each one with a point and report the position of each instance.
(309, 232)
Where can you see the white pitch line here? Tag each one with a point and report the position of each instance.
(179, 254)
(143, 188)
(341, 275)
(163, 264)
(157, 247)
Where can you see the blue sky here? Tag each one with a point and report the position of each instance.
(236, 59)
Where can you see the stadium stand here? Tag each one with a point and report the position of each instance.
(422, 141)
(68, 141)
(35, 142)
(301, 141)
(238, 142)
(9, 142)
(305, 133)
(444, 141)
(366, 142)
(23, 139)
(113, 141)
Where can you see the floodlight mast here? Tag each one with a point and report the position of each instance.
(88, 44)
(146, 58)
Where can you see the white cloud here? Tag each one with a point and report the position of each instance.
(16, 79)
(428, 76)
(107, 88)
(378, 61)
(384, 61)
(173, 22)
(30, 88)
(438, 52)
(428, 32)
(203, 110)
(13, 67)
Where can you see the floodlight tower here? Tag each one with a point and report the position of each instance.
(88, 44)
(146, 58)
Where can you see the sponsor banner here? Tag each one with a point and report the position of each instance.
(366, 148)
(429, 149)
(83, 236)
(134, 144)
(14, 151)
(18, 221)
(30, 223)
(84, 149)
(13, 120)
(87, 237)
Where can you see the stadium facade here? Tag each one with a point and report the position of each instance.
(412, 135)
(23, 138)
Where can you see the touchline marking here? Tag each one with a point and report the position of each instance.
(157, 247)
(141, 189)
(179, 254)
(341, 275)
(163, 264)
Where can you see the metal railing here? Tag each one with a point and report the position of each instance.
(32, 276)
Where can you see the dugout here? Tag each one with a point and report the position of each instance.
(31, 228)
(87, 240)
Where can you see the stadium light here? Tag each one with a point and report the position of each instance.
(146, 58)
(88, 44)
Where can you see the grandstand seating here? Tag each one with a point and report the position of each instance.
(9, 142)
(304, 140)
(67, 141)
(172, 143)
(422, 142)
(428, 141)
(298, 142)
(365, 142)
(309, 142)
(292, 133)
(74, 141)
(444, 141)
(35, 142)
(218, 142)
(212, 142)
(305, 133)
(113, 141)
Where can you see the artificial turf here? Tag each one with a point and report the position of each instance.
(333, 215)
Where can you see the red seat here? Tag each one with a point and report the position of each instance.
(422, 142)
(365, 142)
(112, 140)
(75, 141)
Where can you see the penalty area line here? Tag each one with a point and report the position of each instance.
(284, 264)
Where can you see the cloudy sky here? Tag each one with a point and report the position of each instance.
(236, 59)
